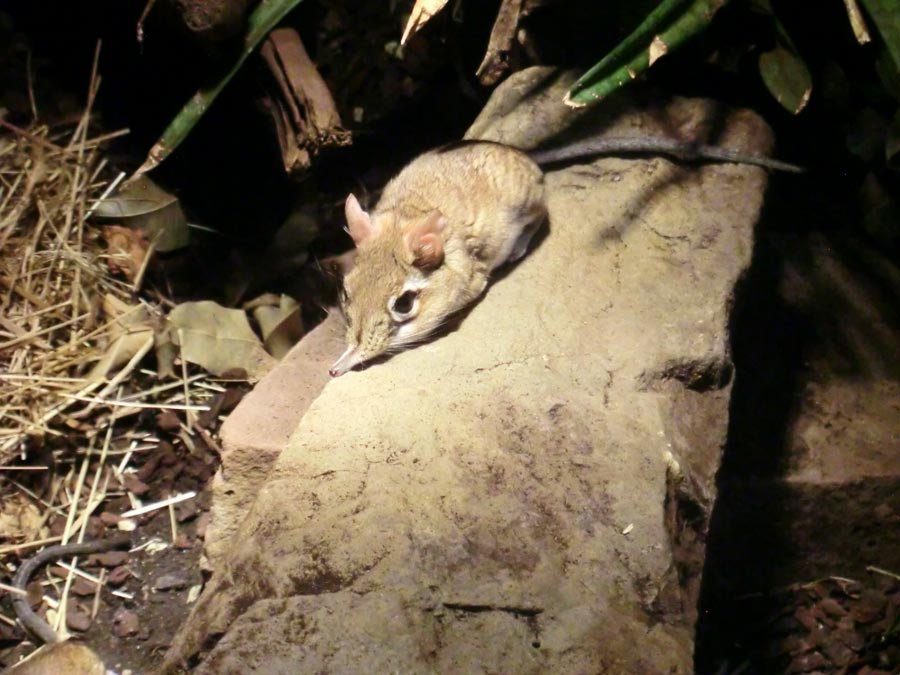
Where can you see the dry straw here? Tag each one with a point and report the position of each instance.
(56, 423)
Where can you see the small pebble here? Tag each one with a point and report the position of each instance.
(849, 638)
(168, 582)
(186, 510)
(168, 421)
(77, 620)
(109, 519)
(805, 663)
(869, 608)
(125, 623)
(183, 542)
(832, 608)
(135, 485)
(118, 576)
(837, 653)
(148, 468)
(110, 558)
(805, 616)
(167, 454)
(83, 587)
(126, 525)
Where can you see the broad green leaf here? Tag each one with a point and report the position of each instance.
(783, 71)
(885, 14)
(892, 144)
(889, 75)
(666, 28)
(786, 77)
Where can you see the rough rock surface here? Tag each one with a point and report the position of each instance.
(256, 432)
(813, 476)
(527, 493)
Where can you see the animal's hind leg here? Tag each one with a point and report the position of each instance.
(536, 216)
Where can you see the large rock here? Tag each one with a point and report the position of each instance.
(813, 477)
(528, 493)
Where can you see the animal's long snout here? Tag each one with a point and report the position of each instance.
(347, 361)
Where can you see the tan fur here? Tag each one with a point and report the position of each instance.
(488, 194)
(69, 658)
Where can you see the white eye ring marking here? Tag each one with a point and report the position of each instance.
(405, 306)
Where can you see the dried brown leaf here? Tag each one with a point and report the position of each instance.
(421, 13)
(218, 339)
(280, 323)
(127, 249)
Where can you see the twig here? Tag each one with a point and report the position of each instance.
(30, 79)
(37, 543)
(884, 572)
(101, 582)
(140, 24)
(13, 590)
(106, 193)
(159, 505)
(136, 404)
(172, 522)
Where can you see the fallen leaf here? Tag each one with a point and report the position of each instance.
(166, 351)
(142, 205)
(129, 333)
(218, 339)
(421, 12)
(279, 320)
(19, 518)
(126, 250)
(120, 352)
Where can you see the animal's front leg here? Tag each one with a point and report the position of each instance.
(536, 216)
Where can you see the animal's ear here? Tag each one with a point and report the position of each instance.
(425, 241)
(359, 223)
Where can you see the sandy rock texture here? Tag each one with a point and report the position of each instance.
(814, 475)
(529, 492)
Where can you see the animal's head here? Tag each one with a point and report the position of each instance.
(389, 300)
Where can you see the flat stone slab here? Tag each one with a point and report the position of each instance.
(504, 498)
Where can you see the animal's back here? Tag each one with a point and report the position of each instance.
(485, 190)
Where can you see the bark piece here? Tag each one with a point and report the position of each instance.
(304, 112)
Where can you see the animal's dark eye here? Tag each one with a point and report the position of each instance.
(404, 303)
(405, 306)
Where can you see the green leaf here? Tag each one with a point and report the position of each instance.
(262, 19)
(784, 73)
(143, 205)
(666, 28)
(786, 77)
(885, 14)
(892, 145)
